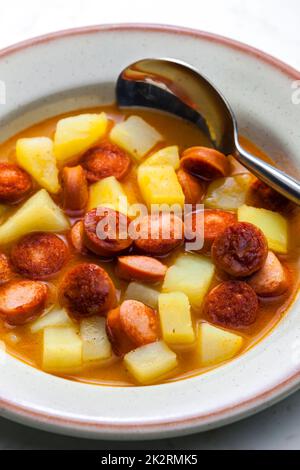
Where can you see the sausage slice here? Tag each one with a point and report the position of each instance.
(139, 322)
(22, 301)
(76, 237)
(240, 250)
(140, 268)
(271, 279)
(5, 269)
(158, 234)
(120, 342)
(105, 160)
(232, 304)
(205, 163)
(39, 255)
(105, 232)
(15, 183)
(75, 190)
(87, 290)
(262, 195)
(192, 187)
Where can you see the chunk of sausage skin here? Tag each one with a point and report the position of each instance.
(86, 290)
(105, 160)
(140, 268)
(75, 190)
(240, 250)
(232, 304)
(76, 237)
(263, 196)
(15, 183)
(22, 301)
(5, 269)
(212, 221)
(159, 234)
(271, 279)
(105, 232)
(205, 163)
(39, 255)
(193, 188)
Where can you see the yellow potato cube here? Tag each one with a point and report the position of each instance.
(150, 363)
(56, 317)
(95, 343)
(192, 275)
(135, 136)
(142, 293)
(228, 193)
(165, 156)
(175, 318)
(76, 134)
(160, 185)
(62, 349)
(273, 225)
(36, 156)
(215, 345)
(108, 192)
(37, 214)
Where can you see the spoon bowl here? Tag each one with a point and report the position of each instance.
(175, 87)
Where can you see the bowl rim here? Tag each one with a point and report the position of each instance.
(21, 412)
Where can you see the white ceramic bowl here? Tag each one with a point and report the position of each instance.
(78, 68)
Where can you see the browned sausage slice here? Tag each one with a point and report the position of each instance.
(76, 237)
(5, 269)
(15, 183)
(240, 250)
(39, 255)
(105, 160)
(106, 232)
(210, 223)
(192, 187)
(158, 234)
(232, 304)
(138, 322)
(205, 162)
(87, 290)
(141, 268)
(271, 279)
(22, 301)
(262, 195)
(120, 342)
(75, 190)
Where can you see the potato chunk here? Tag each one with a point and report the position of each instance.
(192, 275)
(108, 192)
(39, 213)
(215, 345)
(150, 363)
(36, 156)
(159, 185)
(76, 134)
(56, 317)
(95, 343)
(175, 318)
(62, 349)
(142, 293)
(273, 225)
(135, 136)
(165, 156)
(228, 193)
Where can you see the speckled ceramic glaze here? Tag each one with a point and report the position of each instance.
(75, 69)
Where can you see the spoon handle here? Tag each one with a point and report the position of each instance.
(277, 179)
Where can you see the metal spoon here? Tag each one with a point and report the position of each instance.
(175, 87)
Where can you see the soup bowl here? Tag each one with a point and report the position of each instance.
(77, 69)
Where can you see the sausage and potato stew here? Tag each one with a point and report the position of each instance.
(133, 253)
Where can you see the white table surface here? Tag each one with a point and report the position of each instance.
(270, 25)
